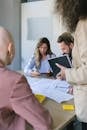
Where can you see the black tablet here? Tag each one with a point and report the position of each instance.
(62, 60)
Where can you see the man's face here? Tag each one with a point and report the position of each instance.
(66, 49)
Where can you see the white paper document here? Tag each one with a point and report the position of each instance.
(52, 88)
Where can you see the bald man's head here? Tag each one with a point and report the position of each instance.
(6, 46)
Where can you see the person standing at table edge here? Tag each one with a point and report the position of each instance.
(74, 14)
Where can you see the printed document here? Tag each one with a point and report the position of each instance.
(52, 88)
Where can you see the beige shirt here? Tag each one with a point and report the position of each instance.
(77, 75)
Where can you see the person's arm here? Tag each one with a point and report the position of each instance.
(26, 105)
(28, 70)
(79, 75)
(30, 65)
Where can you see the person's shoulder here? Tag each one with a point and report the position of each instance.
(32, 58)
(82, 22)
(51, 55)
(14, 74)
(81, 26)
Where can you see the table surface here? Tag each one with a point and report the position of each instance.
(61, 118)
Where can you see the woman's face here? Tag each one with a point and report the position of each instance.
(43, 49)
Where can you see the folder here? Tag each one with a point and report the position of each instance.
(62, 60)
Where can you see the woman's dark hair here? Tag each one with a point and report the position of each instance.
(71, 11)
(47, 42)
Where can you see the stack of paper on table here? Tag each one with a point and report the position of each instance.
(52, 88)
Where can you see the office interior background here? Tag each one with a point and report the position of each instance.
(28, 20)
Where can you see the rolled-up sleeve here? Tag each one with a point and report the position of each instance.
(78, 75)
(26, 106)
(30, 66)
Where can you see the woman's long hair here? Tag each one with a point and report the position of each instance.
(71, 11)
(37, 53)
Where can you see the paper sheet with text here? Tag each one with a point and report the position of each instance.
(52, 88)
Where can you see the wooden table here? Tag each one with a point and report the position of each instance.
(61, 118)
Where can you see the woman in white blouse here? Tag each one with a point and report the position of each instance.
(38, 63)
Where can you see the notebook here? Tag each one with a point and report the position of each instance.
(62, 60)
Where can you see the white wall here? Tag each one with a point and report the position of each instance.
(39, 9)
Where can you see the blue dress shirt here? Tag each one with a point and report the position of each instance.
(44, 67)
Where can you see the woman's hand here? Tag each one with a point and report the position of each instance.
(35, 73)
(61, 74)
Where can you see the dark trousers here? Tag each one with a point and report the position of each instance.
(70, 126)
(84, 126)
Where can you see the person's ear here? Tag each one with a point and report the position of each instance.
(71, 45)
(9, 48)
